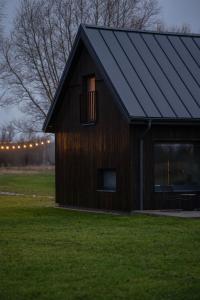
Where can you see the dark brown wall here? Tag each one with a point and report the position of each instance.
(159, 133)
(81, 150)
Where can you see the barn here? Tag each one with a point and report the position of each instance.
(126, 118)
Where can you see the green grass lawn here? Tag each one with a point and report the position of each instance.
(50, 253)
(39, 183)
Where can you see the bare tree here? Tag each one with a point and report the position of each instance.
(7, 133)
(24, 129)
(37, 50)
(184, 28)
(2, 3)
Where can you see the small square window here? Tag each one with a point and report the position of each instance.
(107, 179)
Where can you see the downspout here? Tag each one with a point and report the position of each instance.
(142, 164)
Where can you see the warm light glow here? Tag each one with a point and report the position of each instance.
(26, 145)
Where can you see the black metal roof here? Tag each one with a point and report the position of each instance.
(153, 75)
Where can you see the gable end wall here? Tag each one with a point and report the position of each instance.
(82, 150)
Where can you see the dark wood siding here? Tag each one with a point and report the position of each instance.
(81, 150)
(160, 133)
(111, 144)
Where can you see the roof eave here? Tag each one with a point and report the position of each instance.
(165, 121)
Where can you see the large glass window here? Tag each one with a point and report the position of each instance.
(177, 167)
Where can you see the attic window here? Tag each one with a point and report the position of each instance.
(88, 100)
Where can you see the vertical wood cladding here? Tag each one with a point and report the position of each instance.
(160, 133)
(109, 144)
(81, 150)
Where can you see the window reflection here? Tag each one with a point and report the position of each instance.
(177, 167)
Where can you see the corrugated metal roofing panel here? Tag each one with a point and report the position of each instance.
(173, 76)
(186, 57)
(197, 42)
(129, 74)
(145, 75)
(156, 70)
(161, 79)
(114, 72)
(192, 46)
(179, 65)
(153, 75)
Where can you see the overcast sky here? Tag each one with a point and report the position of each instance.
(174, 12)
(177, 12)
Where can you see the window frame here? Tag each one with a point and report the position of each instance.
(170, 189)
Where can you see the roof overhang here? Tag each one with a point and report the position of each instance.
(166, 121)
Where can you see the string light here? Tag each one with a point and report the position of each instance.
(25, 145)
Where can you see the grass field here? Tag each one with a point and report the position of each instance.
(49, 253)
(38, 182)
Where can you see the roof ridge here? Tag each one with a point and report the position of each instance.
(125, 29)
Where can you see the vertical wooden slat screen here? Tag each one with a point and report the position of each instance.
(88, 107)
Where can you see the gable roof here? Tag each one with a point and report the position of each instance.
(153, 75)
